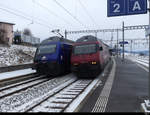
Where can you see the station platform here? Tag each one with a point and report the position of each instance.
(129, 88)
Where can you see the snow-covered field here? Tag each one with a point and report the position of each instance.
(144, 60)
(15, 55)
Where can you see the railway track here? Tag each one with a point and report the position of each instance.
(12, 101)
(12, 89)
(61, 99)
(15, 67)
(70, 97)
(14, 80)
(53, 95)
(20, 83)
(60, 94)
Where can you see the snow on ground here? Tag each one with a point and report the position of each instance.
(144, 60)
(16, 54)
(17, 73)
(25, 99)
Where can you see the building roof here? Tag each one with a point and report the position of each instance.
(7, 23)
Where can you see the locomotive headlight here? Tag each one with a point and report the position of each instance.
(75, 64)
(61, 57)
(93, 62)
(43, 58)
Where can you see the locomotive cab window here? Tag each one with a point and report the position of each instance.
(85, 49)
(45, 49)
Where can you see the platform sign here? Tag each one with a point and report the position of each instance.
(125, 42)
(126, 7)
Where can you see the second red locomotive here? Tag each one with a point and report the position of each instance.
(89, 56)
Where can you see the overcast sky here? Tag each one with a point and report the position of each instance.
(42, 16)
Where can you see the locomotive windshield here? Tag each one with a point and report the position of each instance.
(85, 49)
(46, 49)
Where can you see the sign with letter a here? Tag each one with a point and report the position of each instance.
(126, 7)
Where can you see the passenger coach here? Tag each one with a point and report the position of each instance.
(89, 56)
(53, 56)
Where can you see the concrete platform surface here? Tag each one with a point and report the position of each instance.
(129, 89)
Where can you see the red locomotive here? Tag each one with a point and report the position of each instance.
(89, 56)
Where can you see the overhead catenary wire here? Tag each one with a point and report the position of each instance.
(26, 16)
(52, 13)
(23, 17)
(86, 11)
(70, 14)
(15, 10)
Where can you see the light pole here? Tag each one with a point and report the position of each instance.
(65, 34)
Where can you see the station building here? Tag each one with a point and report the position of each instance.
(20, 37)
(6, 33)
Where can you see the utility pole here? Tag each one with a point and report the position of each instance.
(96, 34)
(111, 38)
(123, 40)
(117, 43)
(65, 34)
(131, 47)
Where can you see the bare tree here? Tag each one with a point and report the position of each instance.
(27, 32)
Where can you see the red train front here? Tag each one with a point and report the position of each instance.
(89, 56)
